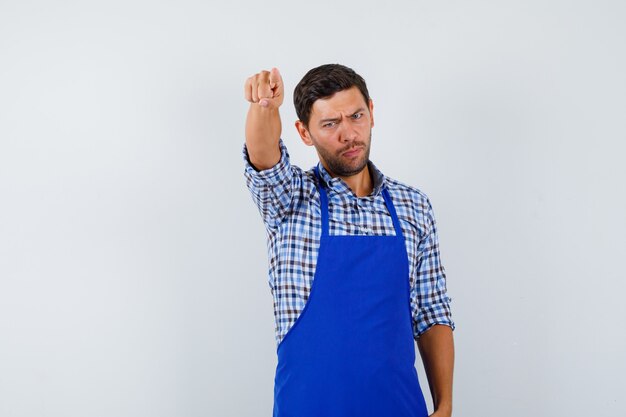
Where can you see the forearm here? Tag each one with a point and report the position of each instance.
(436, 347)
(263, 129)
(265, 92)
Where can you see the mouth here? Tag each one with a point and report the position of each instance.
(351, 153)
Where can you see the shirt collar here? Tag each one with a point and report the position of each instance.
(337, 184)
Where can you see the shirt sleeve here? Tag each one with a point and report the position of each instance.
(429, 298)
(271, 188)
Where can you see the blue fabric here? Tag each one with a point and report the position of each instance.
(351, 352)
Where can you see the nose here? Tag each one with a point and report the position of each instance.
(348, 133)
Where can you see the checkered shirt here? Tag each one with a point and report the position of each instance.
(289, 203)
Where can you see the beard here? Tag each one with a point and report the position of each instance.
(340, 165)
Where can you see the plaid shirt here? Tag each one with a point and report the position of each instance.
(289, 203)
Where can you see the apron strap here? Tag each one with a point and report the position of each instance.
(323, 202)
(324, 206)
(392, 211)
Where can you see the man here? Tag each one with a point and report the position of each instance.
(353, 255)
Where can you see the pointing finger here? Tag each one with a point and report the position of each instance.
(275, 79)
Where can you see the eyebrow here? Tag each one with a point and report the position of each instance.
(336, 119)
(359, 110)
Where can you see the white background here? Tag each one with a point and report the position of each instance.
(132, 259)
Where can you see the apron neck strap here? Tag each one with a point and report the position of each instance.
(324, 206)
(392, 211)
(323, 202)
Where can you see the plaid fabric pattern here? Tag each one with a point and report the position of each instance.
(289, 203)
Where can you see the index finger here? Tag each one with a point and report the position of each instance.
(275, 78)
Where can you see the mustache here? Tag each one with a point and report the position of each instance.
(352, 146)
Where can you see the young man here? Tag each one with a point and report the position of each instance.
(353, 256)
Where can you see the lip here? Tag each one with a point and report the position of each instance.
(352, 152)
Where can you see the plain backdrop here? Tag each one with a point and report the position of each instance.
(133, 270)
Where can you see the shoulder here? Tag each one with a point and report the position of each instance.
(407, 193)
(411, 203)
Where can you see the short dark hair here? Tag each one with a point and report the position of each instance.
(322, 82)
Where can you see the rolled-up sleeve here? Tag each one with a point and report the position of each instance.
(429, 297)
(271, 188)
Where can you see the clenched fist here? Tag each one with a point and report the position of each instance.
(265, 88)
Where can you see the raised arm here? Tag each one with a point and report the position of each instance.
(265, 92)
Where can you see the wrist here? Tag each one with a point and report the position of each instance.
(444, 409)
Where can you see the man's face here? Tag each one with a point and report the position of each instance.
(340, 128)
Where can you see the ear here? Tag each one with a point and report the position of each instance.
(304, 133)
(372, 111)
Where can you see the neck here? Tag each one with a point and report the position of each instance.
(361, 184)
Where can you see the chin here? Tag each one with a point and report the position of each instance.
(349, 170)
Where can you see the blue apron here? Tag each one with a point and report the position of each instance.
(351, 351)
